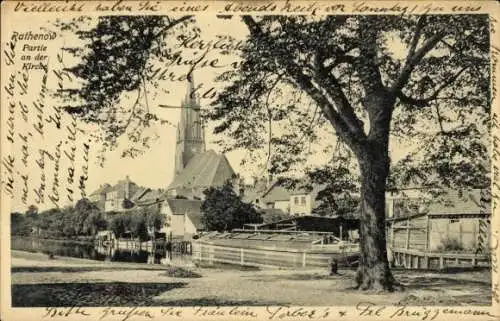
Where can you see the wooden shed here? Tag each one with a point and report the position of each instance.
(452, 232)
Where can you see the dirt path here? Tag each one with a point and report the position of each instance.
(39, 281)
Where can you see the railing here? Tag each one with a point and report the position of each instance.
(270, 258)
(414, 259)
(180, 247)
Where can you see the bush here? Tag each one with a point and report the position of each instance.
(178, 272)
(450, 245)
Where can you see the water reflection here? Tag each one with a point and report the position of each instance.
(89, 251)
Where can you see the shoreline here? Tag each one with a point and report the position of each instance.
(34, 238)
(74, 261)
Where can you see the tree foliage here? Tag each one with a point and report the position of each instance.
(111, 80)
(304, 84)
(83, 219)
(140, 222)
(223, 209)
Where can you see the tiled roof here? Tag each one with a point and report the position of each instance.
(276, 193)
(140, 193)
(120, 187)
(148, 195)
(204, 170)
(184, 206)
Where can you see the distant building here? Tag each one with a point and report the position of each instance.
(115, 198)
(183, 217)
(99, 196)
(195, 168)
(296, 202)
(277, 197)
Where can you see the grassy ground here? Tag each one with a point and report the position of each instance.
(40, 281)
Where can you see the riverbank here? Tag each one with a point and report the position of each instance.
(40, 281)
(77, 239)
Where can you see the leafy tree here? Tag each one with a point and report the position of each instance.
(19, 225)
(154, 218)
(118, 225)
(432, 91)
(223, 209)
(113, 65)
(138, 225)
(32, 211)
(94, 223)
(339, 193)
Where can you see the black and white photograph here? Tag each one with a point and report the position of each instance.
(249, 160)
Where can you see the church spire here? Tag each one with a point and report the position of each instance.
(190, 136)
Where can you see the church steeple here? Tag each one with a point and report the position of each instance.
(190, 136)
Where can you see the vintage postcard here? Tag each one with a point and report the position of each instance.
(249, 160)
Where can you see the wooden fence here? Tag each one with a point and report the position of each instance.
(268, 257)
(180, 247)
(414, 259)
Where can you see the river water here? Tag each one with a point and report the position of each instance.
(86, 250)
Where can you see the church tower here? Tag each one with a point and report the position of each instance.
(190, 135)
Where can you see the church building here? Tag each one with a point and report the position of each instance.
(196, 169)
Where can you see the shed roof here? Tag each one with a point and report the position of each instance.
(454, 203)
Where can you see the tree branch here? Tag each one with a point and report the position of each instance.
(347, 127)
(171, 25)
(440, 119)
(368, 67)
(416, 37)
(424, 102)
(270, 120)
(413, 59)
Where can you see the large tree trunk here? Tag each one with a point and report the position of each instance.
(374, 272)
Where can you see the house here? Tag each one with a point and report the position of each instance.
(455, 223)
(99, 196)
(297, 202)
(196, 169)
(183, 217)
(277, 197)
(116, 198)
